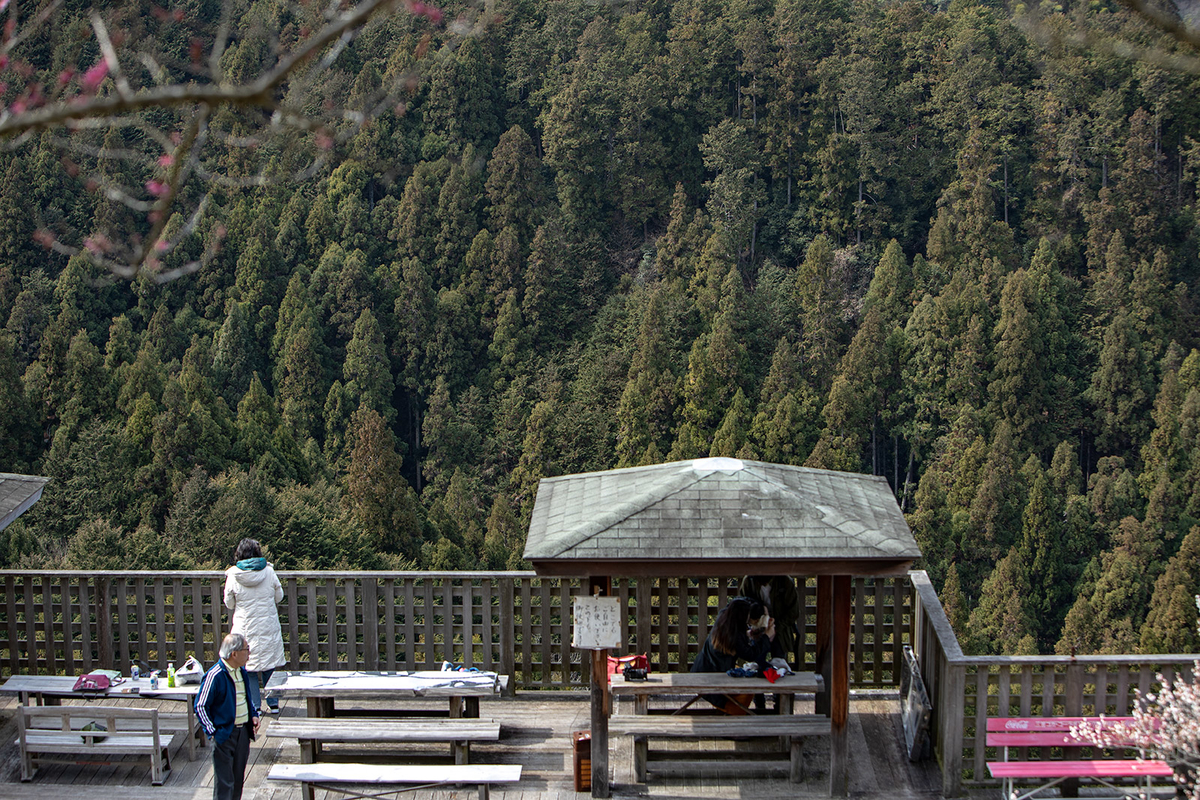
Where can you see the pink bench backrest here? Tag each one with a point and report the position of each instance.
(1046, 724)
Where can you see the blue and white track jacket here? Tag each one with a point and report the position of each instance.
(216, 703)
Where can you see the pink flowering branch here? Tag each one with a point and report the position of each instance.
(176, 167)
(1165, 725)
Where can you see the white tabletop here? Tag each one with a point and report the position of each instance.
(716, 682)
(62, 686)
(364, 685)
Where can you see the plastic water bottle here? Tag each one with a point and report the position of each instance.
(154, 681)
(135, 672)
(171, 675)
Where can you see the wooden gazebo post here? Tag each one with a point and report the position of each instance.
(833, 664)
(839, 687)
(600, 703)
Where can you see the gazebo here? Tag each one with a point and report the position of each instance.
(716, 517)
(17, 494)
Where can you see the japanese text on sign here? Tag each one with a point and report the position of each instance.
(597, 623)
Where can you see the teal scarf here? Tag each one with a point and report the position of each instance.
(252, 564)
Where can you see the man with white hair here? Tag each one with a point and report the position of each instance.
(226, 710)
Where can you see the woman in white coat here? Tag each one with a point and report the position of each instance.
(252, 591)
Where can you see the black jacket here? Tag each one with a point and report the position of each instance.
(757, 650)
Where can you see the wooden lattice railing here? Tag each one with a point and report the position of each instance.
(513, 622)
(966, 690)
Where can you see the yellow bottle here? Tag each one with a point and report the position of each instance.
(171, 675)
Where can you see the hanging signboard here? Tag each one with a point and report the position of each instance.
(597, 623)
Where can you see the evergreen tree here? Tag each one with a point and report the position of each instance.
(1120, 389)
(303, 383)
(1041, 551)
(380, 499)
(816, 293)
(1170, 620)
(367, 371)
(233, 357)
(735, 191)
(730, 439)
(17, 431)
(515, 185)
(1002, 623)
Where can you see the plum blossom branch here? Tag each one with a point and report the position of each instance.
(78, 102)
(1165, 724)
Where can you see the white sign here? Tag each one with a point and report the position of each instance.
(597, 623)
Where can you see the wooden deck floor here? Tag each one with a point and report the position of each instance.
(536, 733)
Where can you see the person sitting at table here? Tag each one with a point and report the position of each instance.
(743, 632)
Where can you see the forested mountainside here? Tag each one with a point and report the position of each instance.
(908, 239)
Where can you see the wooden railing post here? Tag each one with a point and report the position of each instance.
(950, 726)
(370, 615)
(508, 638)
(104, 622)
(1073, 707)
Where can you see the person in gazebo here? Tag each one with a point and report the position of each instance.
(743, 632)
(778, 593)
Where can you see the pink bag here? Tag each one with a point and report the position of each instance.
(92, 683)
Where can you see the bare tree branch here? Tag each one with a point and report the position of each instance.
(1167, 23)
(171, 158)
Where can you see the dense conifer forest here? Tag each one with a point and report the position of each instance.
(910, 239)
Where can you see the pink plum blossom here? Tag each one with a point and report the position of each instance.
(95, 76)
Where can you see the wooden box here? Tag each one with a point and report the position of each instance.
(582, 745)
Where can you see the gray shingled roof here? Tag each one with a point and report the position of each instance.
(719, 510)
(17, 494)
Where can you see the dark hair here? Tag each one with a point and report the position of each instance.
(732, 622)
(247, 548)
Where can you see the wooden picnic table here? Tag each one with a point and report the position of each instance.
(323, 689)
(694, 685)
(688, 687)
(53, 689)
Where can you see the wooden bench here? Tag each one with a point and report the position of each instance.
(790, 727)
(377, 780)
(313, 732)
(167, 723)
(129, 731)
(1009, 733)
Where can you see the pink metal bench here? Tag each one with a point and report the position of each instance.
(1014, 732)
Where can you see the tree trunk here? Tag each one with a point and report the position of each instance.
(907, 482)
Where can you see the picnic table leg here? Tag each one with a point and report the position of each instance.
(472, 708)
(308, 791)
(192, 730)
(156, 767)
(461, 751)
(483, 791)
(797, 764)
(641, 755)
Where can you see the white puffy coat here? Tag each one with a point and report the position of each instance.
(252, 595)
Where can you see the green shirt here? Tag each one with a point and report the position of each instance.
(242, 715)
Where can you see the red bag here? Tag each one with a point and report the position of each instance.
(92, 682)
(617, 665)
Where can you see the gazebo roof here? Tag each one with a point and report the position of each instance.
(17, 494)
(717, 517)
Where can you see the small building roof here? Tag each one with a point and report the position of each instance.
(718, 517)
(17, 494)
